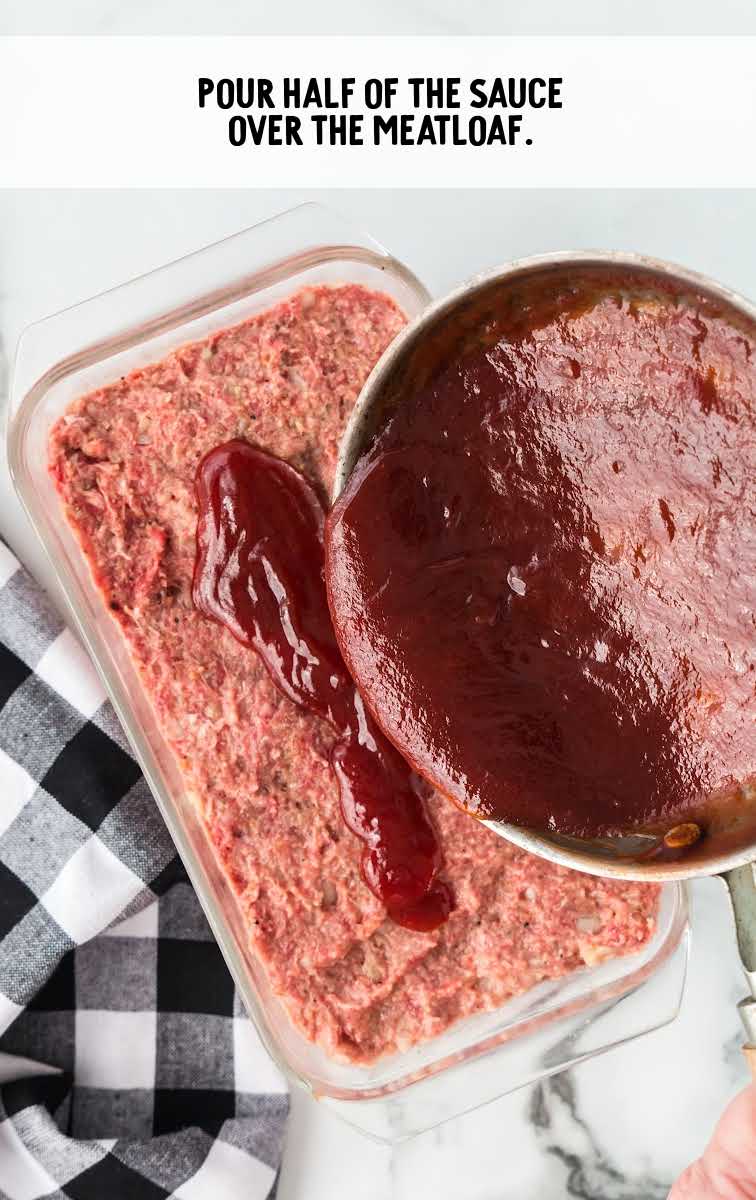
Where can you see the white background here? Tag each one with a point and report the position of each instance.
(382, 16)
(123, 112)
(648, 1108)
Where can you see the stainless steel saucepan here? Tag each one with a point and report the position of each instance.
(729, 847)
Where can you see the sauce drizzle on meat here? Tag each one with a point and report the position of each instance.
(260, 572)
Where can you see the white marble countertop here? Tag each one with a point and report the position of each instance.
(621, 1126)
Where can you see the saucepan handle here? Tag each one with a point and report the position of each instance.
(741, 884)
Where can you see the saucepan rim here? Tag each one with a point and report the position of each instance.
(351, 447)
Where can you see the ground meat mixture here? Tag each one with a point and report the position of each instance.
(124, 460)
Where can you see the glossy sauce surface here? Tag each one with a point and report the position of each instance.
(543, 574)
(260, 572)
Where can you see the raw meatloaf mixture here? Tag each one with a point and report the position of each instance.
(124, 460)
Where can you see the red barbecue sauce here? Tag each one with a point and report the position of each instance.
(259, 571)
(542, 575)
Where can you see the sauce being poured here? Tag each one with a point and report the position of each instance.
(259, 571)
(542, 576)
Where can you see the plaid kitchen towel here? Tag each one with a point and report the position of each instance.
(128, 1070)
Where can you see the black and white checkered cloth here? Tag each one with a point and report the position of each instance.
(128, 1070)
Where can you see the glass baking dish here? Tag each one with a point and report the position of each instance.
(94, 343)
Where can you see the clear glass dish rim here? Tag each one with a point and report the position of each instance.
(588, 1003)
(21, 411)
(18, 414)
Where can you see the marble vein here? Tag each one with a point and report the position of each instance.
(564, 1134)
